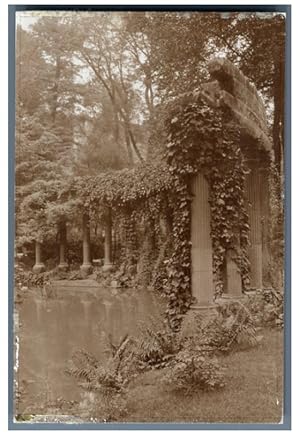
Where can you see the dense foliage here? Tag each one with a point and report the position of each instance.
(189, 361)
(267, 308)
(108, 381)
(112, 126)
(203, 139)
(157, 347)
(110, 116)
(194, 372)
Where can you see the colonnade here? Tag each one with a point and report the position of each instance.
(86, 266)
(203, 288)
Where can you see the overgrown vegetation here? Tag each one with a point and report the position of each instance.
(254, 381)
(117, 137)
(157, 348)
(267, 307)
(63, 173)
(276, 230)
(191, 361)
(107, 382)
(194, 372)
(219, 157)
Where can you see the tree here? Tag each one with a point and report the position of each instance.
(98, 43)
(92, 89)
(181, 44)
(96, 146)
(43, 127)
(263, 61)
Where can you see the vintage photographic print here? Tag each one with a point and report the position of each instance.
(149, 265)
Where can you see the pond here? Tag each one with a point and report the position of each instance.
(75, 315)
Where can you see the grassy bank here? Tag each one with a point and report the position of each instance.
(253, 393)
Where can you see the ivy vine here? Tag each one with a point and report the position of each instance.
(200, 138)
(205, 139)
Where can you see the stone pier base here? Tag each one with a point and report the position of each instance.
(108, 266)
(38, 268)
(86, 269)
(63, 266)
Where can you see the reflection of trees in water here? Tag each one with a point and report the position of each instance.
(53, 328)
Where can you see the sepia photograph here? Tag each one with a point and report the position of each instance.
(150, 200)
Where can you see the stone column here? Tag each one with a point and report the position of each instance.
(86, 266)
(202, 254)
(62, 246)
(255, 222)
(39, 266)
(108, 242)
(232, 278)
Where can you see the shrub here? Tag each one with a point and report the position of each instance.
(267, 308)
(195, 366)
(231, 328)
(106, 382)
(191, 371)
(239, 329)
(24, 278)
(274, 302)
(157, 348)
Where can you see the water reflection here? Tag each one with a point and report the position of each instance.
(52, 328)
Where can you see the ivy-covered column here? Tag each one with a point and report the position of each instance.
(232, 277)
(255, 222)
(39, 266)
(63, 265)
(108, 264)
(86, 245)
(202, 254)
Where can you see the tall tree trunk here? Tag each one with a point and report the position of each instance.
(128, 145)
(55, 89)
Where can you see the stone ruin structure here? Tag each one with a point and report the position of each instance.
(231, 90)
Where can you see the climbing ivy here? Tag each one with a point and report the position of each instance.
(230, 222)
(178, 285)
(126, 192)
(204, 139)
(200, 138)
(123, 188)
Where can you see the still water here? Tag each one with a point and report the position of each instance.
(52, 327)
